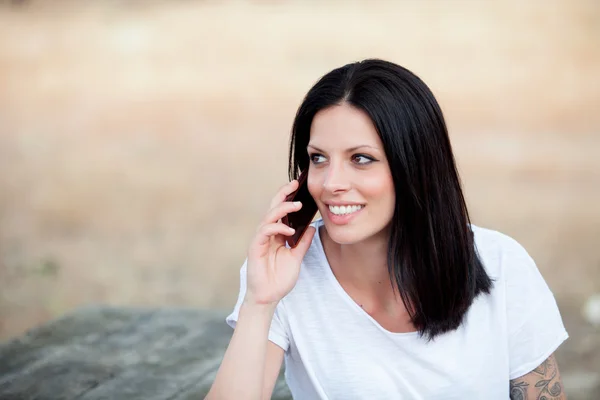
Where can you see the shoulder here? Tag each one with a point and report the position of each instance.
(491, 242)
(531, 316)
(314, 271)
(500, 253)
(519, 281)
(315, 255)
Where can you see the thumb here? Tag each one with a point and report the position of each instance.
(302, 247)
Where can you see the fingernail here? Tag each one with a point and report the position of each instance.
(297, 203)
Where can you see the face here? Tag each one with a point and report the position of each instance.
(349, 176)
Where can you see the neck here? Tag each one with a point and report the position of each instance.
(362, 265)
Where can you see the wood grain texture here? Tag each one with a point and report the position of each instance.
(118, 353)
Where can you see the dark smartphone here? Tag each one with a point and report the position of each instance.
(301, 219)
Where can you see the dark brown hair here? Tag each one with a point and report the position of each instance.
(432, 259)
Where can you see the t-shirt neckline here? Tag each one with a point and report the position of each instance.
(342, 292)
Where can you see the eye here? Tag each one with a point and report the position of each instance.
(316, 158)
(362, 159)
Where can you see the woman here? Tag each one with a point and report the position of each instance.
(393, 293)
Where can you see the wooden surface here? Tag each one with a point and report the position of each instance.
(117, 353)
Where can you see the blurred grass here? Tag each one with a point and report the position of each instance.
(141, 142)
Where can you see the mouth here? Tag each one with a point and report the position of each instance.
(341, 210)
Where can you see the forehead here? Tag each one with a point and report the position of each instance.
(343, 125)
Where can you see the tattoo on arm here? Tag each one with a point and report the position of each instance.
(543, 383)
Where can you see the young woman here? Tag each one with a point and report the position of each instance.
(393, 293)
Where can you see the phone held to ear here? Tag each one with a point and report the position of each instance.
(301, 219)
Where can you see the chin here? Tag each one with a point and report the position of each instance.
(355, 233)
(343, 234)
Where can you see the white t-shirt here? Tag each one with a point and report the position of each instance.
(335, 350)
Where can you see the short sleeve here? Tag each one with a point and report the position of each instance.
(277, 332)
(534, 325)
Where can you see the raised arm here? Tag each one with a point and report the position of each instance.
(544, 382)
(251, 363)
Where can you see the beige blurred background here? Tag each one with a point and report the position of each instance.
(140, 142)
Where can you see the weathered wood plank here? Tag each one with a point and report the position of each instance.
(107, 353)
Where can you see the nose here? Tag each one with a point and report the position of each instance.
(336, 179)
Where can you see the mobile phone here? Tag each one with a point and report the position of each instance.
(301, 219)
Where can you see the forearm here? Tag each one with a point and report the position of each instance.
(241, 374)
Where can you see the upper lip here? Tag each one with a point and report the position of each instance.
(342, 203)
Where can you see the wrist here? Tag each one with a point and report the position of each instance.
(255, 307)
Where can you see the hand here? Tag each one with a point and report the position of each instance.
(273, 268)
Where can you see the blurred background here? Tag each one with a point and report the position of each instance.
(141, 141)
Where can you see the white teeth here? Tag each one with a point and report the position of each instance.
(343, 210)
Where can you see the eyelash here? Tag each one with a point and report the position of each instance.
(354, 156)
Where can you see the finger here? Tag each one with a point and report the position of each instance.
(269, 230)
(302, 247)
(281, 211)
(283, 192)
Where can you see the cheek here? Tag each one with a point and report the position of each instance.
(314, 186)
(379, 186)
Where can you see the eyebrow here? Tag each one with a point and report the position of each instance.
(351, 149)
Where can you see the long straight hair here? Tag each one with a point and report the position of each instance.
(432, 259)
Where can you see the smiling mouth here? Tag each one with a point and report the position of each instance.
(345, 210)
